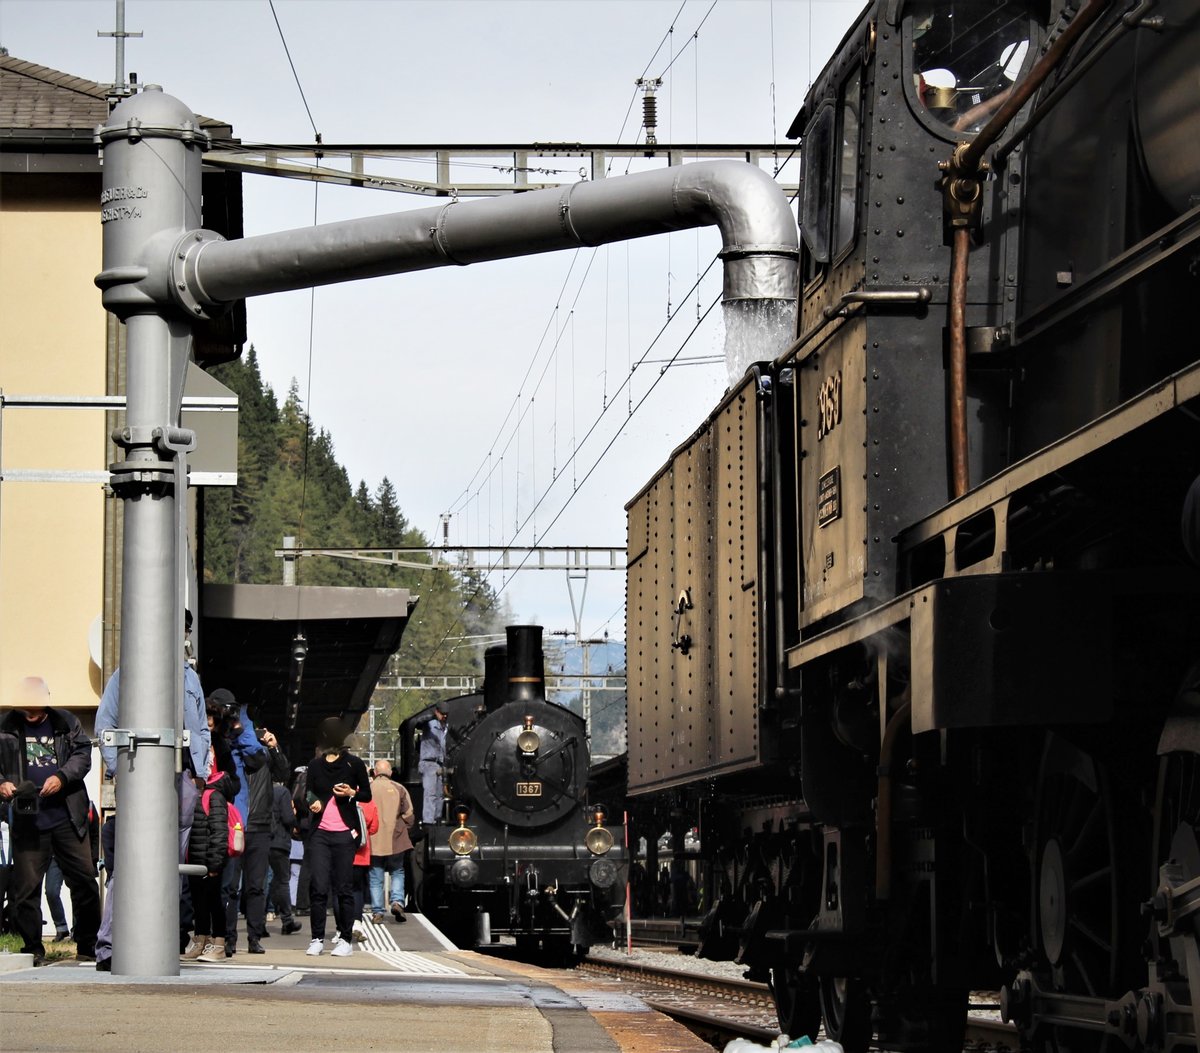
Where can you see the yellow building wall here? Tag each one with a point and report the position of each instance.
(52, 342)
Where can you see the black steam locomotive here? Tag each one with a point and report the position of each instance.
(912, 627)
(519, 850)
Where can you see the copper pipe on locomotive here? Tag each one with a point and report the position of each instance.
(962, 193)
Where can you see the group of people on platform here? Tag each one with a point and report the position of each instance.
(329, 833)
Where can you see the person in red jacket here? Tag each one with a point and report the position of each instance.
(362, 869)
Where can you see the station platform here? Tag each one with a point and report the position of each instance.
(404, 989)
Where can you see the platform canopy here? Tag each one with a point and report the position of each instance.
(249, 644)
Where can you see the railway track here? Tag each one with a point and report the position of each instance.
(719, 1009)
(742, 993)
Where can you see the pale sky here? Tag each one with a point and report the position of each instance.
(419, 377)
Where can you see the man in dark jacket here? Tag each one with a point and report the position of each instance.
(44, 756)
(283, 818)
(262, 770)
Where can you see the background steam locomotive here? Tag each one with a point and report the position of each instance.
(909, 615)
(519, 850)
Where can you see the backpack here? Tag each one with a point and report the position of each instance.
(236, 844)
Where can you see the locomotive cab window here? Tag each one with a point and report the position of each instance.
(827, 223)
(847, 204)
(818, 183)
(965, 57)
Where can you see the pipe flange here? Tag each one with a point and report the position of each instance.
(135, 129)
(141, 477)
(185, 285)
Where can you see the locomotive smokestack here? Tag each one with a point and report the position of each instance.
(495, 677)
(526, 665)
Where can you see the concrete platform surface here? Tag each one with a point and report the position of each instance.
(385, 996)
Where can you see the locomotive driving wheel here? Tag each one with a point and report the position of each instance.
(1075, 886)
(1176, 827)
(846, 1010)
(797, 1002)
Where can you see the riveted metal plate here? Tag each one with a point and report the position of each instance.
(693, 709)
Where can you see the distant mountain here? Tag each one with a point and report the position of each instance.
(606, 658)
(608, 708)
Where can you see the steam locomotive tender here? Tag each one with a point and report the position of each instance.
(913, 631)
(519, 851)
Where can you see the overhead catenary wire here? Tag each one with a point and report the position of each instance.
(576, 488)
(600, 458)
(475, 487)
(468, 493)
(295, 75)
(312, 301)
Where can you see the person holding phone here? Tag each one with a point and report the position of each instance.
(337, 781)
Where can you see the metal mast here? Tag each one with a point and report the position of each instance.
(120, 34)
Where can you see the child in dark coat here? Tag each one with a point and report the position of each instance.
(208, 847)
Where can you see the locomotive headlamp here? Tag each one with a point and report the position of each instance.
(529, 740)
(598, 840)
(463, 841)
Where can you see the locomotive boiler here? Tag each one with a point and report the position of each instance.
(518, 849)
(913, 627)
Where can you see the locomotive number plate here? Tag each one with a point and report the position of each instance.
(829, 497)
(829, 405)
(529, 789)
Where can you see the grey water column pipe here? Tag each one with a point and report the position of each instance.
(758, 231)
(150, 197)
(161, 270)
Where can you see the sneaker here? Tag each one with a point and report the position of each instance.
(104, 965)
(194, 949)
(316, 947)
(213, 952)
(398, 912)
(343, 949)
(271, 916)
(62, 934)
(358, 934)
(377, 919)
(292, 927)
(230, 948)
(337, 939)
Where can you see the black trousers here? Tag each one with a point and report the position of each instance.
(330, 858)
(208, 905)
(231, 894)
(32, 850)
(281, 891)
(254, 882)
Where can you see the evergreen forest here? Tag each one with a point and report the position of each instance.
(290, 483)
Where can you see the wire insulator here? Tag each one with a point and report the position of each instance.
(650, 116)
(650, 107)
